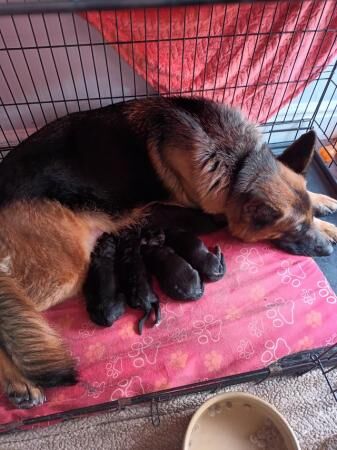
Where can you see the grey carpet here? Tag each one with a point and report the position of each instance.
(305, 401)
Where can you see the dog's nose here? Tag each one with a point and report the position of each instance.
(323, 249)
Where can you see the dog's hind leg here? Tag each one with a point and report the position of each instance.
(34, 347)
(323, 205)
(20, 391)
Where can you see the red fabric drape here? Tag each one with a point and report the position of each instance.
(255, 56)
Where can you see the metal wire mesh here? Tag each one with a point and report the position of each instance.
(53, 62)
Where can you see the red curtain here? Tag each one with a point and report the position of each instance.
(256, 56)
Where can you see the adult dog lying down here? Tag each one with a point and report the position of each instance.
(190, 151)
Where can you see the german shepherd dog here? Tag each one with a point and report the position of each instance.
(117, 159)
(192, 152)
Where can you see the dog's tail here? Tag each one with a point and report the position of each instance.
(34, 347)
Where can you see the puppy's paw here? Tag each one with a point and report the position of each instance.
(323, 205)
(105, 314)
(25, 395)
(215, 267)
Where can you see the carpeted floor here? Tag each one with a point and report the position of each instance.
(305, 401)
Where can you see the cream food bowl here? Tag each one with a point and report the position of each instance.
(234, 420)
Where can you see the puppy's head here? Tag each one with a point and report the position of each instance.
(274, 204)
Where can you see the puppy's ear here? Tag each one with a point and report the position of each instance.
(299, 154)
(261, 214)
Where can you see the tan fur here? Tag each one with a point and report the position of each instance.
(329, 229)
(323, 204)
(13, 383)
(200, 149)
(46, 247)
(44, 256)
(281, 194)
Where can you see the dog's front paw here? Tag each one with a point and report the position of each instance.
(323, 205)
(214, 268)
(331, 231)
(328, 229)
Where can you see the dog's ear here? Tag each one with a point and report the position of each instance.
(299, 154)
(261, 214)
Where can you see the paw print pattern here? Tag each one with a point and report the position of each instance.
(291, 274)
(177, 335)
(275, 350)
(326, 292)
(128, 388)
(281, 312)
(256, 327)
(332, 340)
(245, 349)
(207, 329)
(308, 296)
(96, 389)
(250, 260)
(114, 367)
(144, 352)
(87, 330)
(171, 315)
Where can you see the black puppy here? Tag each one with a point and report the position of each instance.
(105, 302)
(133, 277)
(211, 266)
(176, 277)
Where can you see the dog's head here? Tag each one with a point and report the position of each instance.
(271, 201)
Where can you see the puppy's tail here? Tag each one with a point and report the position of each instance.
(33, 345)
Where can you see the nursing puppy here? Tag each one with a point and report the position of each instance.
(134, 280)
(176, 276)
(193, 152)
(44, 258)
(48, 253)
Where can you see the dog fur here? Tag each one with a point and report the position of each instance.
(193, 152)
(48, 253)
(134, 279)
(104, 299)
(44, 258)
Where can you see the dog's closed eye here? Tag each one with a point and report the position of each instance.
(301, 228)
(262, 214)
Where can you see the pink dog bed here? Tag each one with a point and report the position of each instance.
(268, 305)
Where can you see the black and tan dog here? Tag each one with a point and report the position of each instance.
(117, 159)
(192, 152)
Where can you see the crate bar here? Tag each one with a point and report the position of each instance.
(173, 39)
(10, 8)
(298, 363)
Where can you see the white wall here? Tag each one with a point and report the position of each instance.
(62, 74)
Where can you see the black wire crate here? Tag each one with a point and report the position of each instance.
(275, 60)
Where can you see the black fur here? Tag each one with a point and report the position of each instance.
(133, 277)
(188, 219)
(65, 377)
(211, 266)
(90, 159)
(105, 302)
(176, 277)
